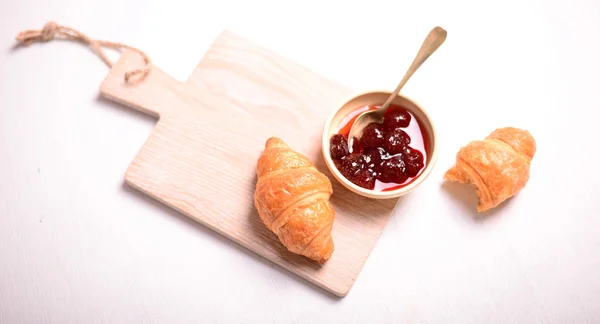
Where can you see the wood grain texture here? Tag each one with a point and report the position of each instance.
(201, 157)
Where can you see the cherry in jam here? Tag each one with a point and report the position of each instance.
(394, 170)
(414, 161)
(396, 141)
(396, 118)
(339, 147)
(387, 156)
(372, 136)
(350, 165)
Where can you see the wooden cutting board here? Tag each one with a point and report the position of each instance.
(201, 157)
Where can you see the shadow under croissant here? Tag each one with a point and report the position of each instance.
(466, 194)
(269, 239)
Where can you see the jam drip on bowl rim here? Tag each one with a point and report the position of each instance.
(387, 156)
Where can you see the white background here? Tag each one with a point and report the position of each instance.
(79, 246)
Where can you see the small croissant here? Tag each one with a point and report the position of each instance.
(497, 166)
(292, 200)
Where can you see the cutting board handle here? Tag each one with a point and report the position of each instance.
(155, 94)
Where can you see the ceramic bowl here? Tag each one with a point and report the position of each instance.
(332, 126)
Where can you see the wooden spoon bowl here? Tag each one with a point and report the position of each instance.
(333, 124)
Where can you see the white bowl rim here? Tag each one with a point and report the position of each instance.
(371, 193)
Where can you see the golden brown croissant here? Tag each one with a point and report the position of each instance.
(497, 166)
(292, 199)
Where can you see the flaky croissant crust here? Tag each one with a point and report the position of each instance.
(498, 166)
(292, 200)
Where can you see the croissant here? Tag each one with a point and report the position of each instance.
(292, 200)
(498, 166)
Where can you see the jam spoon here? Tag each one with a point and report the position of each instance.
(432, 42)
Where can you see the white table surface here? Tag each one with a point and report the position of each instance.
(79, 246)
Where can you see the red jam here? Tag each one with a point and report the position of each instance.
(387, 156)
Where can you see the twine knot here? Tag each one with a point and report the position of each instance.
(48, 31)
(53, 30)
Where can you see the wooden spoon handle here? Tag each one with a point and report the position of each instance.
(432, 42)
